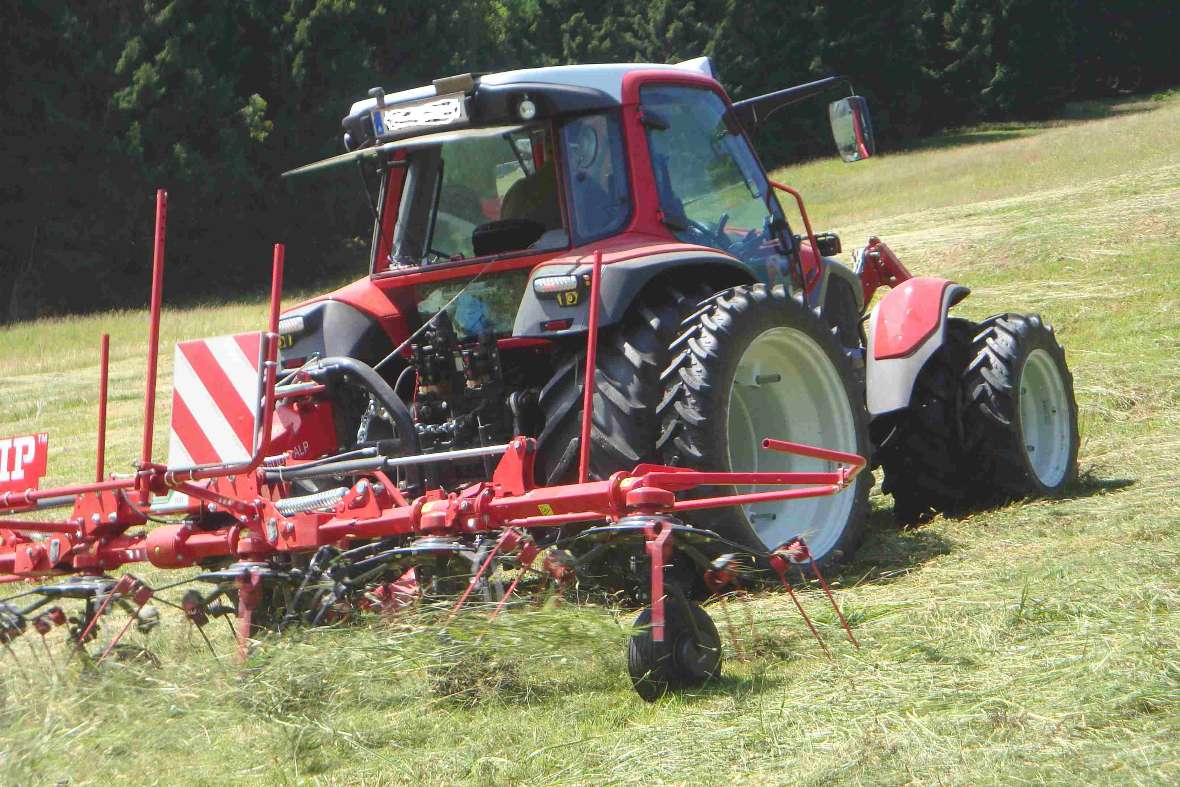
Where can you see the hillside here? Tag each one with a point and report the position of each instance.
(1035, 643)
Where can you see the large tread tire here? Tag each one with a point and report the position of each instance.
(697, 397)
(921, 449)
(630, 358)
(1018, 373)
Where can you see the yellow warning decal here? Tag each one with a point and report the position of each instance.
(545, 509)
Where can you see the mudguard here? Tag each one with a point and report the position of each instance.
(817, 295)
(621, 282)
(905, 329)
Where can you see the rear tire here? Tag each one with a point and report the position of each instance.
(1021, 417)
(753, 363)
(627, 389)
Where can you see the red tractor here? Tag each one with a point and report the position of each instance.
(585, 312)
(719, 323)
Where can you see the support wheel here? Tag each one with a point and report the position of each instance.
(690, 654)
(1020, 418)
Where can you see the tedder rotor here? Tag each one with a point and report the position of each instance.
(281, 541)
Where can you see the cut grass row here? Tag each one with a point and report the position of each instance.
(1035, 643)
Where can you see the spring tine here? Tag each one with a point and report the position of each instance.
(205, 637)
(750, 622)
(33, 652)
(779, 561)
(528, 555)
(807, 620)
(20, 667)
(474, 581)
(119, 588)
(49, 654)
(115, 641)
(733, 640)
(828, 591)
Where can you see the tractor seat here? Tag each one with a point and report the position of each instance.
(529, 214)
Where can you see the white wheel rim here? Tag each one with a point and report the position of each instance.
(786, 387)
(1045, 426)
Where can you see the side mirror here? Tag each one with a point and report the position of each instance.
(851, 128)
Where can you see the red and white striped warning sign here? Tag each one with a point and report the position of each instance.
(214, 390)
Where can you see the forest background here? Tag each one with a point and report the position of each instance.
(105, 101)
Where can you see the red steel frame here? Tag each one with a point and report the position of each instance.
(104, 364)
(95, 536)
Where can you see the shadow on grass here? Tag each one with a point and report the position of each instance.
(736, 687)
(890, 550)
(1089, 485)
(1077, 111)
(958, 139)
(1086, 485)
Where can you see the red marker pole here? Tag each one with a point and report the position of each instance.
(591, 365)
(103, 379)
(149, 404)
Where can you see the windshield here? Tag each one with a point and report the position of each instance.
(479, 195)
(712, 190)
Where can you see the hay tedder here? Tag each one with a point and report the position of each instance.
(589, 350)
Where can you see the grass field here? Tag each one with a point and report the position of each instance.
(1039, 643)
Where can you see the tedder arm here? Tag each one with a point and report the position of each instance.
(247, 521)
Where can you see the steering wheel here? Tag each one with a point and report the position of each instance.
(752, 241)
(714, 236)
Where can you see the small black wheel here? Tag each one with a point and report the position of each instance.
(1020, 419)
(690, 654)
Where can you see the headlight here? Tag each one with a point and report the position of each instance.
(551, 285)
(290, 325)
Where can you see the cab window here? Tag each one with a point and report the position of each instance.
(599, 194)
(477, 194)
(712, 190)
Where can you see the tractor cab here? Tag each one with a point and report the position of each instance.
(507, 170)
(494, 196)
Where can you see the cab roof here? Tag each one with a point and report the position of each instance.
(603, 77)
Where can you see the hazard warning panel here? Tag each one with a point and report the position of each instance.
(214, 400)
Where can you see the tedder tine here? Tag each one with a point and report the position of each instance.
(125, 583)
(506, 542)
(779, 562)
(528, 553)
(143, 594)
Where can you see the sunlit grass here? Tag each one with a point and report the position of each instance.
(1035, 643)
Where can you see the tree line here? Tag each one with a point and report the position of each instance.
(104, 101)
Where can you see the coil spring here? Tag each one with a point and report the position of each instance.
(296, 505)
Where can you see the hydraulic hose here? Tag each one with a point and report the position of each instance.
(335, 368)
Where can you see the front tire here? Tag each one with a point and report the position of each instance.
(754, 363)
(1021, 417)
